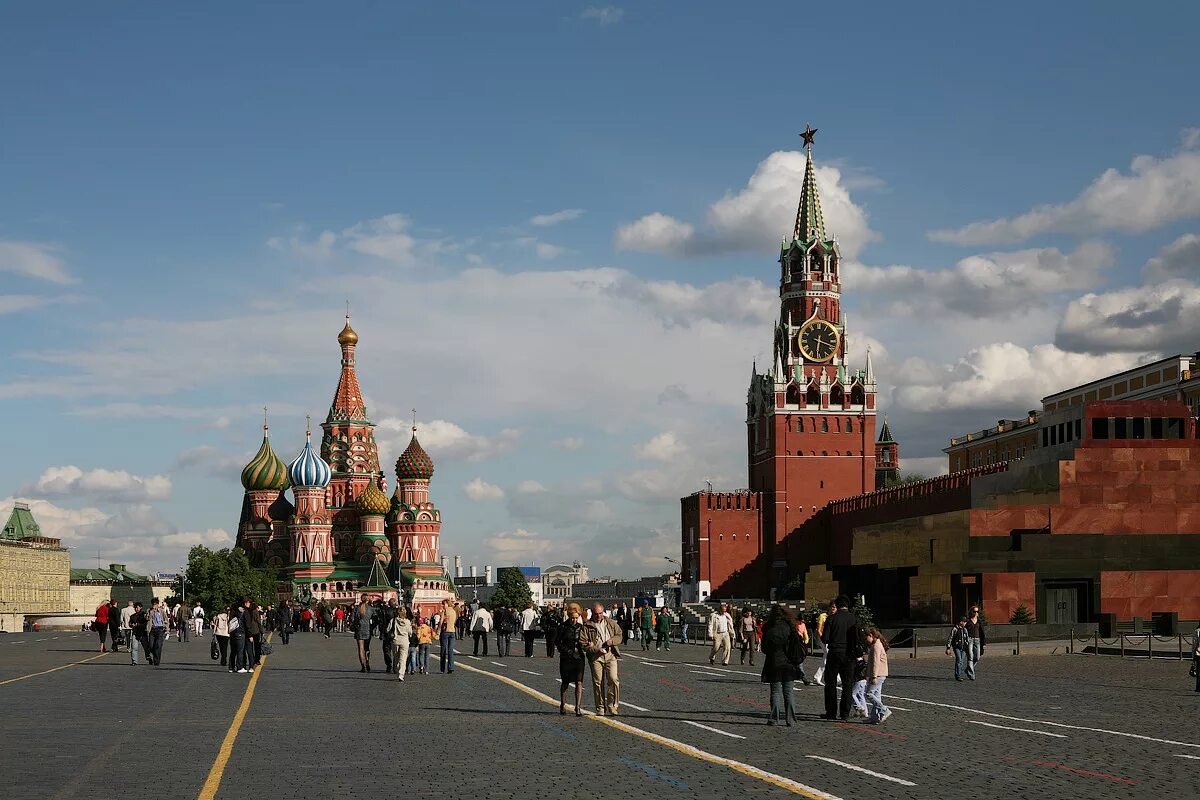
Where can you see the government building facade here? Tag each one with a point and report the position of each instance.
(1088, 506)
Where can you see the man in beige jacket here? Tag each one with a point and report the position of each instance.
(600, 637)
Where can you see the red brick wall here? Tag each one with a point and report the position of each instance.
(1140, 594)
(728, 536)
(1004, 591)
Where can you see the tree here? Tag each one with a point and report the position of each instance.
(910, 477)
(1021, 616)
(220, 578)
(863, 615)
(512, 590)
(793, 591)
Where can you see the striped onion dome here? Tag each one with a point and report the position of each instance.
(266, 470)
(373, 502)
(309, 470)
(414, 463)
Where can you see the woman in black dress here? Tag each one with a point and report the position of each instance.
(570, 657)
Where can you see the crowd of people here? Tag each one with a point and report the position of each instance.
(853, 658)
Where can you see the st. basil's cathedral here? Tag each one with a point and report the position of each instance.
(341, 535)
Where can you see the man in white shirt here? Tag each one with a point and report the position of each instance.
(481, 626)
(198, 619)
(127, 630)
(720, 626)
(529, 622)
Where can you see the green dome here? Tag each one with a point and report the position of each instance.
(373, 502)
(265, 471)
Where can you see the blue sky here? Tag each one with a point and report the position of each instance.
(556, 223)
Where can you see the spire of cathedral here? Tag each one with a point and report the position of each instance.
(885, 433)
(810, 223)
(347, 403)
(869, 378)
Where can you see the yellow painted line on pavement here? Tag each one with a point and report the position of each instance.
(213, 782)
(55, 669)
(795, 787)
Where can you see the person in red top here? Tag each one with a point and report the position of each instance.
(100, 626)
(306, 618)
(339, 616)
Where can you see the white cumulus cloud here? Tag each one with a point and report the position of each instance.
(554, 218)
(663, 447)
(446, 440)
(99, 483)
(33, 260)
(480, 490)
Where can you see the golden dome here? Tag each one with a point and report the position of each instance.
(347, 336)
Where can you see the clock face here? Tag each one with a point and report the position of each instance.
(818, 341)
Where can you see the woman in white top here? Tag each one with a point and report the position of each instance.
(221, 631)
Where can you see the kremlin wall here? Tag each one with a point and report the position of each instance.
(1088, 506)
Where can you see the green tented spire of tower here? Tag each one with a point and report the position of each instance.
(810, 223)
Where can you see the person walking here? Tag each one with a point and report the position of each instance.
(978, 636)
(237, 639)
(503, 621)
(959, 644)
(446, 636)
(283, 621)
(481, 626)
(424, 642)
(198, 619)
(125, 627)
(138, 640)
(159, 620)
(598, 639)
(100, 625)
(720, 627)
(646, 625)
(662, 630)
(362, 634)
(783, 651)
(183, 619)
(568, 638)
(747, 635)
(114, 625)
(252, 623)
(802, 632)
(550, 622)
(385, 616)
(339, 617)
(877, 672)
(220, 632)
(402, 631)
(841, 640)
(819, 675)
(529, 627)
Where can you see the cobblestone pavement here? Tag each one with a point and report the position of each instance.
(1035, 726)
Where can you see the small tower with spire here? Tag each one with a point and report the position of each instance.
(415, 525)
(264, 507)
(312, 522)
(887, 458)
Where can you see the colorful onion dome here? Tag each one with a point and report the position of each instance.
(309, 470)
(414, 463)
(348, 335)
(373, 502)
(266, 470)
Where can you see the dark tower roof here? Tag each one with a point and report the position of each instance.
(885, 433)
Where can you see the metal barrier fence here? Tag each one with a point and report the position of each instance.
(1137, 645)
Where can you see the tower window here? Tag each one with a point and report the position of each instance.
(849, 426)
(824, 425)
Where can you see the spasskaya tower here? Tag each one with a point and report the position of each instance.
(810, 420)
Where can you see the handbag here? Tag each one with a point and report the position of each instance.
(265, 648)
(214, 651)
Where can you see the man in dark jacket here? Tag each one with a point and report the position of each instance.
(842, 643)
(384, 617)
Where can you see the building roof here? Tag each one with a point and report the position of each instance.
(116, 573)
(348, 404)
(21, 524)
(266, 471)
(885, 433)
(309, 470)
(810, 222)
(414, 463)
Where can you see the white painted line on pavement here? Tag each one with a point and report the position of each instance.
(41, 640)
(864, 770)
(749, 770)
(631, 705)
(527, 672)
(703, 672)
(498, 664)
(1045, 722)
(710, 728)
(652, 664)
(631, 655)
(897, 708)
(1182, 755)
(732, 671)
(1022, 730)
(473, 658)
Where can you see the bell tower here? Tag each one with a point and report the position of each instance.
(810, 420)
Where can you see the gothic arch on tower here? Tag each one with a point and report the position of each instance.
(837, 395)
(793, 396)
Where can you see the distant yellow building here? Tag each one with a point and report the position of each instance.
(35, 571)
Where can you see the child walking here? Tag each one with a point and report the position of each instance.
(877, 672)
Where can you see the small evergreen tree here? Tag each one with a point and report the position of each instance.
(512, 590)
(862, 612)
(1021, 616)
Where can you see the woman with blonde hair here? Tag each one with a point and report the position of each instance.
(570, 657)
(877, 672)
(362, 634)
